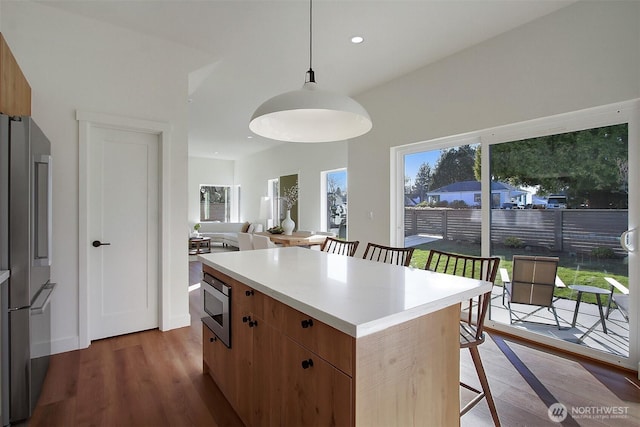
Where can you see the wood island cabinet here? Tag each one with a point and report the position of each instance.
(287, 368)
(283, 367)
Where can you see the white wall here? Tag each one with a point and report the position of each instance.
(306, 160)
(204, 171)
(75, 63)
(585, 55)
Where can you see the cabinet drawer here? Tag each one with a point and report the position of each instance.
(315, 392)
(216, 360)
(243, 298)
(329, 343)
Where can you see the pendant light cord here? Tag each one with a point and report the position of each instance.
(310, 73)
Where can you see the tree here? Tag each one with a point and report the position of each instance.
(454, 165)
(588, 165)
(423, 181)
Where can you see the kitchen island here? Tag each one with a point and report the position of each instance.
(324, 339)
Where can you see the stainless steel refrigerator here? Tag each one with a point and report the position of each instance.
(25, 251)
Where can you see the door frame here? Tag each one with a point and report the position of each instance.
(86, 121)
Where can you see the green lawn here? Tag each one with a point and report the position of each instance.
(572, 270)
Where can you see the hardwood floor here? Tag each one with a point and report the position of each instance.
(153, 378)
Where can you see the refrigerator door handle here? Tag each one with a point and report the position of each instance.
(43, 215)
(12, 309)
(43, 298)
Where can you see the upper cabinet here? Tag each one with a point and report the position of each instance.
(15, 92)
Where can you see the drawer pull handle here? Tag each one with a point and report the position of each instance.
(306, 364)
(248, 293)
(307, 323)
(212, 339)
(252, 323)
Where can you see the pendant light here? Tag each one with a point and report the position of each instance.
(310, 114)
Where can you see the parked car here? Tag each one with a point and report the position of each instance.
(511, 205)
(557, 201)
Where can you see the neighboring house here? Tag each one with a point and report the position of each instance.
(470, 193)
(408, 201)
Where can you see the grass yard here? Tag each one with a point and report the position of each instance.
(573, 269)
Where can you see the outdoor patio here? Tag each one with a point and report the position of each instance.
(615, 341)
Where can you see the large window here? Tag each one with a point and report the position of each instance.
(217, 203)
(560, 187)
(274, 213)
(335, 202)
(442, 201)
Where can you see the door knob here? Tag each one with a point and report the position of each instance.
(98, 243)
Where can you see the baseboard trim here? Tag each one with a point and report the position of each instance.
(177, 322)
(65, 344)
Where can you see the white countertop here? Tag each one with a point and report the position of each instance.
(356, 296)
(4, 275)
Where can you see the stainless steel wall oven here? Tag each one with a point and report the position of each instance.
(216, 301)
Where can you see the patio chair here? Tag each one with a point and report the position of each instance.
(621, 299)
(341, 247)
(533, 283)
(471, 329)
(388, 254)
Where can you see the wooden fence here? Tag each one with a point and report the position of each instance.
(559, 230)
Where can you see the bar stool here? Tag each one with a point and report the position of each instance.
(471, 333)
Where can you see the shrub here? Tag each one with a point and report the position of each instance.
(603, 253)
(458, 204)
(513, 242)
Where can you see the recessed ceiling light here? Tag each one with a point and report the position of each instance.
(357, 39)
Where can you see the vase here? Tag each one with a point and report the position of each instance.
(287, 224)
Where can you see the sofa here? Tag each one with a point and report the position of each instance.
(226, 232)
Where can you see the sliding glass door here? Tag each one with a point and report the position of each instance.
(563, 188)
(570, 203)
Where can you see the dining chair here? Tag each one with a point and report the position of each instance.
(533, 282)
(262, 242)
(471, 327)
(245, 241)
(341, 247)
(388, 254)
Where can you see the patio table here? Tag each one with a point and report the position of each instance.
(597, 292)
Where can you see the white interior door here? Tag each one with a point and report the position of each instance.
(123, 216)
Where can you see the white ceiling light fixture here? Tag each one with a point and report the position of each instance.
(310, 114)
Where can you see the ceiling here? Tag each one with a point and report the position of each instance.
(260, 48)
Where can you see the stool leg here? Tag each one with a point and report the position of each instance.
(475, 356)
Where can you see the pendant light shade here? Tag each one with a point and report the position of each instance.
(310, 114)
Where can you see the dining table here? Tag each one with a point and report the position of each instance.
(295, 239)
